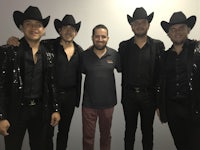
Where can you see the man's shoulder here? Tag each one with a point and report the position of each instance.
(87, 51)
(7, 50)
(197, 46)
(157, 45)
(48, 43)
(156, 41)
(112, 50)
(125, 42)
(78, 47)
(6, 47)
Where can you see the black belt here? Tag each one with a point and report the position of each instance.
(31, 101)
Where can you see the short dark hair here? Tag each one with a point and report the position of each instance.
(98, 27)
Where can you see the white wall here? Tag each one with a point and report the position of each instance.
(112, 13)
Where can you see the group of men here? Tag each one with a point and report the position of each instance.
(40, 82)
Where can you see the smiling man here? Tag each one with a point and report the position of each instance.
(140, 69)
(180, 89)
(27, 93)
(99, 97)
(67, 72)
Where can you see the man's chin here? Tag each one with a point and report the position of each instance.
(100, 48)
(141, 35)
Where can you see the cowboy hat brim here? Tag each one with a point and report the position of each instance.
(58, 24)
(19, 18)
(190, 22)
(149, 18)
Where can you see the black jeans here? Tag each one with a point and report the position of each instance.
(185, 132)
(40, 132)
(135, 103)
(67, 105)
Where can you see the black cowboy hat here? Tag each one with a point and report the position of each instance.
(140, 13)
(67, 20)
(178, 18)
(32, 13)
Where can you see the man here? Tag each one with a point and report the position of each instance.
(140, 66)
(67, 72)
(99, 98)
(180, 88)
(27, 91)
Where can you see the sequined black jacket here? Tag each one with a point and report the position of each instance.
(12, 80)
(193, 70)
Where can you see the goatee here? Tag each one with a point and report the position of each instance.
(99, 48)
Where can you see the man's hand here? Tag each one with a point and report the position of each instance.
(14, 41)
(4, 125)
(55, 118)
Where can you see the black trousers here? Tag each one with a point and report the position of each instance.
(67, 105)
(29, 119)
(185, 132)
(135, 103)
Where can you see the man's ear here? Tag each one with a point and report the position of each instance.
(59, 30)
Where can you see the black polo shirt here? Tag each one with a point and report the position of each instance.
(177, 83)
(99, 87)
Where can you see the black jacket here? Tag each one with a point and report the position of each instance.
(12, 79)
(193, 70)
(156, 48)
(52, 45)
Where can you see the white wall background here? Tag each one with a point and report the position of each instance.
(112, 13)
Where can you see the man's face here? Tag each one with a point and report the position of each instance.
(100, 38)
(33, 30)
(178, 33)
(140, 27)
(68, 33)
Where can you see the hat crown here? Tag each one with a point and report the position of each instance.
(177, 17)
(68, 19)
(139, 13)
(32, 13)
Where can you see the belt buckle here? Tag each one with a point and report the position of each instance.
(137, 90)
(32, 103)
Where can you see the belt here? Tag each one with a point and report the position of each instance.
(30, 101)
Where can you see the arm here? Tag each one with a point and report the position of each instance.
(4, 69)
(160, 49)
(78, 87)
(55, 116)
